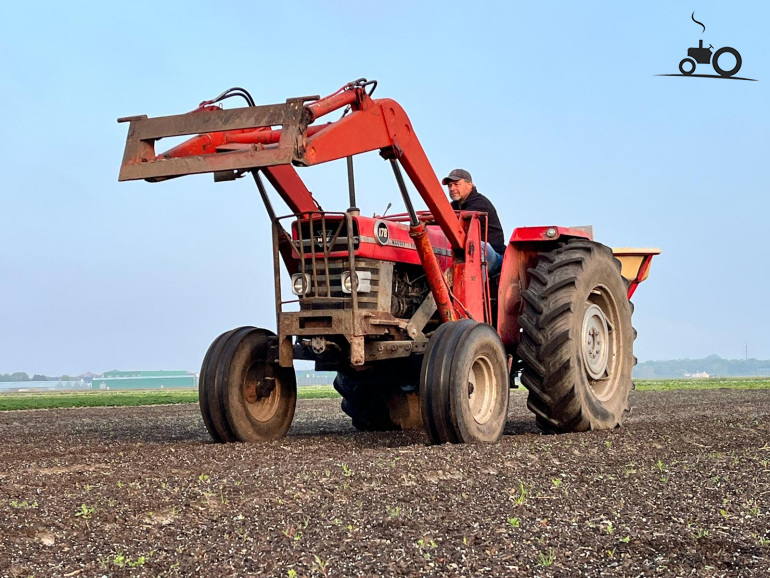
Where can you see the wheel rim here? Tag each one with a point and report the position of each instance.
(261, 407)
(599, 342)
(482, 387)
(595, 342)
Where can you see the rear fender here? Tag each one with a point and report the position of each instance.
(521, 254)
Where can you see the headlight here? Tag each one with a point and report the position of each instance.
(364, 279)
(300, 283)
(347, 285)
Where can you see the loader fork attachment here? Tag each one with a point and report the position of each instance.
(141, 162)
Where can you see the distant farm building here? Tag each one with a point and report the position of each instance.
(697, 375)
(306, 377)
(184, 379)
(52, 385)
(145, 380)
(112, 380)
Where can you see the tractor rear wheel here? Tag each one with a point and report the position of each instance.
(242, 396)
(721, 71)
(365, 402)
(577, 340)
(381, 397)
(464, 384)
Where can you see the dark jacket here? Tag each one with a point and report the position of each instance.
(475, 201)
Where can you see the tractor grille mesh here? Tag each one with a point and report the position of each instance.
(323, 295)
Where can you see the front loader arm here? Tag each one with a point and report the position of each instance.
(383, 125)
(243, 139)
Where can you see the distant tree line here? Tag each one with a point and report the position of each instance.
(714, 365)
(21, 376)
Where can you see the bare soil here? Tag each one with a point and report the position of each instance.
(682, 490)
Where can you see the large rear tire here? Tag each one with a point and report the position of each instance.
(736, 67)
(577, 340)
(242, 396)
(365, 402)
(382, 397)
(464, 384)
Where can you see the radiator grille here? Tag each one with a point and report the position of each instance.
(330, 296)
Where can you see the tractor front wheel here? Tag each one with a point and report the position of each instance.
(464, 384)
(577, 340)
(687, 66)
(244, 397)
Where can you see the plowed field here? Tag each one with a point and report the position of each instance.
(682, 490)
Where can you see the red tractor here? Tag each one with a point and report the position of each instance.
(401, 307)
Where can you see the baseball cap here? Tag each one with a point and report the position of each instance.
(456, 175)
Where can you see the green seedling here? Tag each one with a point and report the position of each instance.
(122, 561)
(292, 533)
(119, 560)
(85, 512)
(23, 505)
(322, 565)
(547, 558)
(422, 544)
(522, 494)
(513, 522)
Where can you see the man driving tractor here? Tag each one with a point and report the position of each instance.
(465, 197)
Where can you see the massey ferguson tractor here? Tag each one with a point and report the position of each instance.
(401, 307)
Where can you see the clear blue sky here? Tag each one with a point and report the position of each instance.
(553, 107)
